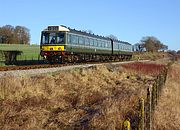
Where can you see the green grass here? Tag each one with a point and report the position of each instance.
(29, 51)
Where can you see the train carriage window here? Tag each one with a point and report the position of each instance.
(119, 46)
(116, 46)
(99, 43)
(81, 40)
(109, 44)
(69, 38)
(123, 48)
(91, 42)
(106, 44)
(102, 44)
(95, 42)
(87, 41)
(74, 39)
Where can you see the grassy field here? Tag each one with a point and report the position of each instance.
(29, 51)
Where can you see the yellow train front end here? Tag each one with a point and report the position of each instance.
(52, 48)
(53, 40)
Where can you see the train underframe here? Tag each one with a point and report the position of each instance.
(69, 57)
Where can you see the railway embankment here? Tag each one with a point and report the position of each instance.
(94, 97)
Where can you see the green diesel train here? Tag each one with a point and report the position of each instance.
(62, 44)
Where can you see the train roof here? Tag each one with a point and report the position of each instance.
(57, 28)
(68, 29)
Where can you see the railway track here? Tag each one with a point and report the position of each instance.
(27, 67)
(39, 66)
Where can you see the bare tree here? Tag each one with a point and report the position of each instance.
(7, 34)
(17, 35)
(152, 44)
(22, 34)
(111, 36)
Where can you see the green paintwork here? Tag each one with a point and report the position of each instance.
(83, 49)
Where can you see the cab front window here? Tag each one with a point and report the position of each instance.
(45, 38)
(60, 38)
(52, 38)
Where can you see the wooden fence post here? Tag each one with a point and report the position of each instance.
(141, 114)
(156, 92)
(153, 96)
(161, 82)
(165, 74)
(149, 111)
(157, 87)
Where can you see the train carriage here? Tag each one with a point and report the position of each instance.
(62, 44)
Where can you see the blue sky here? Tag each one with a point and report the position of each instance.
(129, 20)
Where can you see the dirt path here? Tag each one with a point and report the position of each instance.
(167, 113)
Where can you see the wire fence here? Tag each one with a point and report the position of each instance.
(146, 105)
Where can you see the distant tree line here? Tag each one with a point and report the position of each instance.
(152, 44)
(14, 35)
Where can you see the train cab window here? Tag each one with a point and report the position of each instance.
(52, 38)
(45, 37)
(60, 38)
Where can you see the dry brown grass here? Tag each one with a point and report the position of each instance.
(145, 68)
(150, 55)
(167, 114)
(99, 97)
